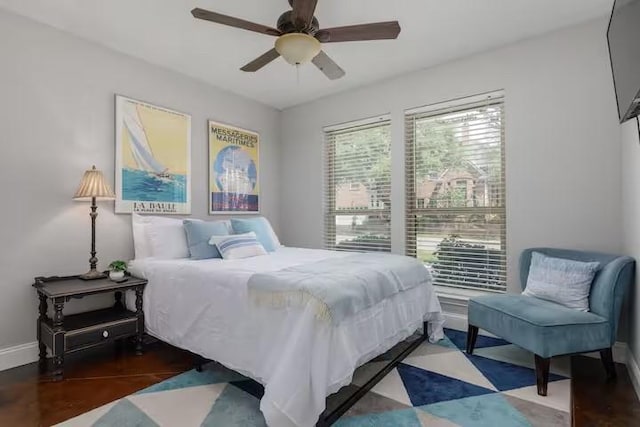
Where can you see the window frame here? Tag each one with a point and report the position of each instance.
(330, 212)
(413, 212)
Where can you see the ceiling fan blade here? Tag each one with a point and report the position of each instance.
(351, 33)
(303, 12)
(233, 22)
(261, 61)
(328, 66)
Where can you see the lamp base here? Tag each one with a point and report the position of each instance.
(92, 275)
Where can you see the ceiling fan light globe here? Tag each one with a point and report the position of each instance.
(298, 48)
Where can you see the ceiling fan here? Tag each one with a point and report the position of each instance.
(299, 36)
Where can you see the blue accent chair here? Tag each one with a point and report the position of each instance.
(548, 329)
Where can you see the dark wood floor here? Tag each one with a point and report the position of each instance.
(596, 402)
(91, 380)
(101, 376)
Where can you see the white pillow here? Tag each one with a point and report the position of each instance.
(167, 241)
(141, 225)
(563, 281)
(237, 246)
(140, 242)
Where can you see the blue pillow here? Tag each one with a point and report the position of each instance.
(260, 225)
(198, 235)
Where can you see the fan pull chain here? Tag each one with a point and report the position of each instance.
(298, 74)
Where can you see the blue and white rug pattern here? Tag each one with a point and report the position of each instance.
(438, 385)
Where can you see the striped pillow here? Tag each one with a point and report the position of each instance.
(237, 246)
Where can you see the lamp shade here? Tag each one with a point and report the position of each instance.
(297, 48)
(94, 185)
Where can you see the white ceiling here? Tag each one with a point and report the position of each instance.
(163, 32)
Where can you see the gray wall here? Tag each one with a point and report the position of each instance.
(562, 141)
(631, 227)
(56, 120)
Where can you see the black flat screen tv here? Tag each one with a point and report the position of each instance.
(623, 36)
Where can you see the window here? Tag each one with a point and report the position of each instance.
(358, 156)
(459, 231)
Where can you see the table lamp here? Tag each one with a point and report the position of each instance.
(93, 187)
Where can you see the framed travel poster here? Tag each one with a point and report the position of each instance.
(153, 159)
(234, 158)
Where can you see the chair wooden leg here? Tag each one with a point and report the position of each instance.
(606, 356)
(542, 374)
(472, 335)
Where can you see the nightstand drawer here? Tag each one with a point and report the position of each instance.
(90, 336)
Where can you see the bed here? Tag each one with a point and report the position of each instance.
(204, 306)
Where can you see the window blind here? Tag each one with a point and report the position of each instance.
(455, 191)
(358, 186)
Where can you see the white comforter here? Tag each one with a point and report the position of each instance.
(203, 307)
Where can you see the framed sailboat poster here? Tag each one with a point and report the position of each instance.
(234, 159)
(153, 159)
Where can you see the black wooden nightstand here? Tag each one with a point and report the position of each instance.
(64, 335)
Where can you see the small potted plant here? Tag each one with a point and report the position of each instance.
(116, 270)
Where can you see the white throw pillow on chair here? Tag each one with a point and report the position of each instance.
(563, 281)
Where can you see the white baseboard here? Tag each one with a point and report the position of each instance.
(456, 321)
(459, 323)
(634, 371)
(620, 352)
(18, 355)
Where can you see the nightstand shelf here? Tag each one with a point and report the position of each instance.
(68, 334)
(76, 322)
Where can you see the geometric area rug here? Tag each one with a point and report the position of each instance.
(438, 385)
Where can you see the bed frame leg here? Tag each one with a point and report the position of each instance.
(198, 363)
(425, 331)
